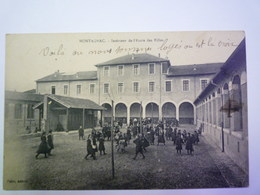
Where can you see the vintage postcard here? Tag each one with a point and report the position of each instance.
(144, 110)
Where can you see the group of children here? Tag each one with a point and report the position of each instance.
(142, 139)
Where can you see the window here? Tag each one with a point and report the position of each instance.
(53, 90)
(92, 88)
(120, 70)
(136, 69)
(106, 70)
(65, 89)
(136, 87)
(78, 89)
(106, 88)
(168, 86)
(151, 87)
(151, 68)
(18, 111)
(186, 85)
(30, 111)
(203, 83)
(164, 67)
(120, 87)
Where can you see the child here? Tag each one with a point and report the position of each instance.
(90, 150)
(43, 147)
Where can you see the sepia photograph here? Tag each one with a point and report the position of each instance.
(126, 110)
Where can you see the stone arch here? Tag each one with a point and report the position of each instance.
(107, 113)
(135, 111)
(186, 113)
(169, 111)
(121, 113)
(152, 111)
(236, 103)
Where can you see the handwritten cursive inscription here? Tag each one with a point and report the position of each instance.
(47, 51)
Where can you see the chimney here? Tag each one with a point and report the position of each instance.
(159, 55)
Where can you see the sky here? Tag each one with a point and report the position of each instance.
(32, 56)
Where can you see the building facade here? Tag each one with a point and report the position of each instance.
(141, 86)
(222, 108)
(20, 117)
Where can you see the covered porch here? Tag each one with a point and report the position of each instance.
(60, 113)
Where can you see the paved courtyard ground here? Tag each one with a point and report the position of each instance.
(162, 168)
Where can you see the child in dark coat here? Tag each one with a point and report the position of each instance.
(189, 144)
(90, 150)
(101, 145)
(43, 147)
(50, 141)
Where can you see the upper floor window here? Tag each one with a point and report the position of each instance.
(120, 70)
(92, 88)
(53, 91)
(106, 87)
(164, 67)
(65, 89)
(168, 86)
(78, 89)
(136, 87)
(151, 86)
(185, 85)
(151, 68)
(120, 87)
(106, 70)
(136, 69)
(18, 111)
(203, 83)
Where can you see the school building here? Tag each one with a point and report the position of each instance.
(222, 108)
(141, 85)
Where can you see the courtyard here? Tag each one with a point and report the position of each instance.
(162, 167)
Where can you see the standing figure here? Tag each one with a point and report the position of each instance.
(94, 141)
(179, 143)
(196, 137)
(101, 145)
(150, 135)
(174, 136)
(189, 144)
(81, 133)
(50, 141)
(90, 150)
(139, 146)
(128, 135)
(43, 147)
(161, 138)
(145, 143)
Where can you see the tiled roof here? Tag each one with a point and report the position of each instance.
(196, 69)
(13, 95)
(71, 102)
(132, 59)
(57, 76)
